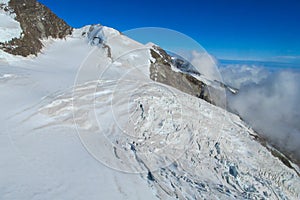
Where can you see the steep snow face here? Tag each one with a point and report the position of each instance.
(9, 27)
(81, 115)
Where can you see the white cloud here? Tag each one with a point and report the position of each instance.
(205, 64)
(287, 58)
(269, 102)
(238, 75)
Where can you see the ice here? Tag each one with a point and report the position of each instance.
(78, 124)
(40, 161)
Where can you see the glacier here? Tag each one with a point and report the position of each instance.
(84, 120)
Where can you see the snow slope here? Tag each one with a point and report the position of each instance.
(83, 120)
(50, 162)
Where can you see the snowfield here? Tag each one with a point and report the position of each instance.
(83, 120)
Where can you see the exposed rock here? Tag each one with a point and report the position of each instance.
(37, 22)
(161, 71)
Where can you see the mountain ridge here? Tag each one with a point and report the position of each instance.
(210, 152)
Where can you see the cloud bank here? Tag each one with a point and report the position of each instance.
(269, 101)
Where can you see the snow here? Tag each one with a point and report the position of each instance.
(5, 2)
(9, 27)
(77, 123)
(103, 32)
(50, 162)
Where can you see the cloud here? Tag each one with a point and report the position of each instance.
(269, 102)
(238, 76)
(205, 64)
(287, 59)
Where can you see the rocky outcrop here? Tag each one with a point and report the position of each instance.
(37, 22)
(162, 72)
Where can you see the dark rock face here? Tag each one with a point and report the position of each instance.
(162, 72)
(37, 22)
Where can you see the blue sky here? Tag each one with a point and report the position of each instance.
(228, 29)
